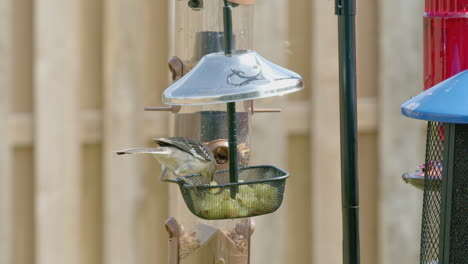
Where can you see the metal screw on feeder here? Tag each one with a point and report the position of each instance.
(227, 78)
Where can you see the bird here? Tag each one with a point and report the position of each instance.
(181, 156)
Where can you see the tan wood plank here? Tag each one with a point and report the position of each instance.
(269, 136)
(326, 223)
(23, 213)
(129, 228)
(297, 45)
(153, 209)
(21, 127)
(367, 52)
(368, 113)
(299, 209)
(401, 140)
(91, 204)
(23, 53)
(367, 35)
(57, 142)
(6, 230)
(21, 101)
(91, 131)
(368, 182)
(297, 116)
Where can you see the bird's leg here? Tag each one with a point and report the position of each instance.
(163, 173)
(185, 179)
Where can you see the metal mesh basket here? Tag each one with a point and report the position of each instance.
(259, 191)
(432, 196)
(444, 234)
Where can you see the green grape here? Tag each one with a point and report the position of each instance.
(264, 190)
(208, 208)
(243, 212)
(214, 190)
(225, 195)
(266, 205)
(245, 189)
(246, 199)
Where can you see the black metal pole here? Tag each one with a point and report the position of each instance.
(231, 107)
(346, 11)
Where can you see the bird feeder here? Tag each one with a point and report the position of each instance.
(228, 82)
(445, 52)
(444, 235)
(199, 32)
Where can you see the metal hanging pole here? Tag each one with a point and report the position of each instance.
(231, 107)
(346, 11)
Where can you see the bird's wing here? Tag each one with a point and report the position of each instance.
(140, 151)
(191, 146)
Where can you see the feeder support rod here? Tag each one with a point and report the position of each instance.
(231, 107)
(227, 16)
(346, 11)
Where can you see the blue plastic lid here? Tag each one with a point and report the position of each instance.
(445, 102)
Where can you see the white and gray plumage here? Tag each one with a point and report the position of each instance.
(182, 156)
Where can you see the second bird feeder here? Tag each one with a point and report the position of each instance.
(444, 234)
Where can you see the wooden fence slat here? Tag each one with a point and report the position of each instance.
(325, 137)
(401, 140)
(57, 142)
(153, 211)
(123, 128)
(270, 138)
(6, 229)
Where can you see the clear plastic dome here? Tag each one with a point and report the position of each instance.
(244, 75)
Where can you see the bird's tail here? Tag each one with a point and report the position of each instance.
(142, 151)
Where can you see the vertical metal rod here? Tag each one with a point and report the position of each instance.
(346, 10)
(446, 193)
(232, 140)
(231, 107)
(227, 16)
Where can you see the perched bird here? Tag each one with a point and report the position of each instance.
(182, 156)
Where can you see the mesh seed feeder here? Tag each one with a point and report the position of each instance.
(444, 235)
(229, 78)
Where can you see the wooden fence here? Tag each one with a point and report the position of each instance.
(75, 76)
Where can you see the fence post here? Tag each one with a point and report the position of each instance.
(5, 149)
(57, 139)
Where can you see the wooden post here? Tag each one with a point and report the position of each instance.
(153, 210)
(57, 148)
(6, 227)
(401, 141)
(91, 225)
(326, 228)
(135, 59)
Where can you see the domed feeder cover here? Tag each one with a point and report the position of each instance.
(220, 78)
(445, 102)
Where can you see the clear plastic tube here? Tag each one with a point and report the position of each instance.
(200, 32)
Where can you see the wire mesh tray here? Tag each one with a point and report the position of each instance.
(259, 191)
(418, 180)
(418, 177)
